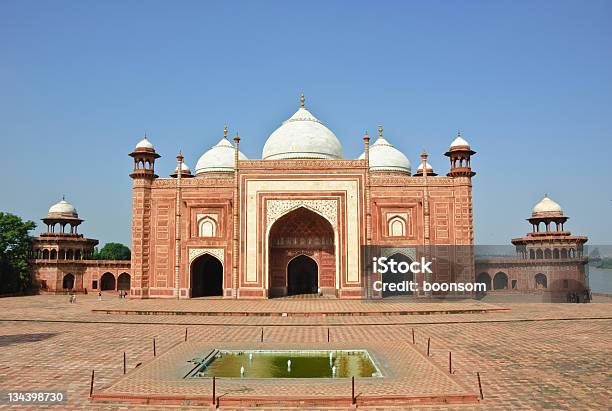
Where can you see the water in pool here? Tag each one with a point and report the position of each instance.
(288, 364)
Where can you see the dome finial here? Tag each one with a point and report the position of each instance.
(302, 101)
(380, 130)
(63, 197)
(225, 132)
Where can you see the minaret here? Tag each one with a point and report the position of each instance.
(236, 210)
(177, 226)
(143, 175)
(366, 144)
(460, 154)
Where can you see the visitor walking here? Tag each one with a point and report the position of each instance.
(99, 295)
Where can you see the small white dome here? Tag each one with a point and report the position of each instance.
(219, 158)
(63, 207)
(145, 143)
(184, 167)
(427, 165)
(385, 157)
(302, 136)
(459, 141)
(546, 205)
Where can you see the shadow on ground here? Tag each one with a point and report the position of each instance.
(6, 340)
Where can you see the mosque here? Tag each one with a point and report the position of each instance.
(300, 220)
(294, 221)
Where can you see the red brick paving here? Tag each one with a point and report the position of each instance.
(545, 364)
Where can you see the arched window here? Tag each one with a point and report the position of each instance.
(53, 255)
(564, 253)
(45, 254)
(556, 253)
(532, 254)
(208, 227)
(397, 227)
(539, 254)
(541, 281)
(547, 253)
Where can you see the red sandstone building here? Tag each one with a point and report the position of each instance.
(297, 221)
(294, 221)
(548, 259)
(62, 257)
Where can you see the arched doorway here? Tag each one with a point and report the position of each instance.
(484, 278)
(302, 276)
(402, 263)
(123, 282)
(500, 281)
(541, 281)
(206, 276)
(68, 282)
(301, 243)
(107, 282)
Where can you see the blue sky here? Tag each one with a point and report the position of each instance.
(528, 83)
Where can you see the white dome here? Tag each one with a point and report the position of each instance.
(427, 165)
(219, 158)
(145, 143)
(459, 141)
(63, 207)
(547, 206)
(184, 167)
(302, 136)
(385, 157)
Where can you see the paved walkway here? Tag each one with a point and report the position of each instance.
(561, 361)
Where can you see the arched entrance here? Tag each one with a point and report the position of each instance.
(123, 282)
(484, 278)
(301, 254)
(206, 276)
(107, 282)
(402, 262)
(68, 282)
(302, 276)
(500, 281)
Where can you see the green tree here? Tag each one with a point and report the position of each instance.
(15, 245)
(113, 251)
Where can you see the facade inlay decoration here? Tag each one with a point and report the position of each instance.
(215, 252)
(277, 208)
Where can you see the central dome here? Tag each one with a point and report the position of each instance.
(302, 136)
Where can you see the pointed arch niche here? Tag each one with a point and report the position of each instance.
(327, 209)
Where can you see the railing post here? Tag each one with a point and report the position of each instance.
(214, 396)
(450, 362)
(480, 386)
(124, 368)
(92, 383)
(353, 390)
(185, 333)
(428, 344)
(413, 336)
(154, 352)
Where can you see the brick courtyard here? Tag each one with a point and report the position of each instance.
(533, 356)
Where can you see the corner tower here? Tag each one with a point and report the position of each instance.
(460, 154)
(143, 175)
